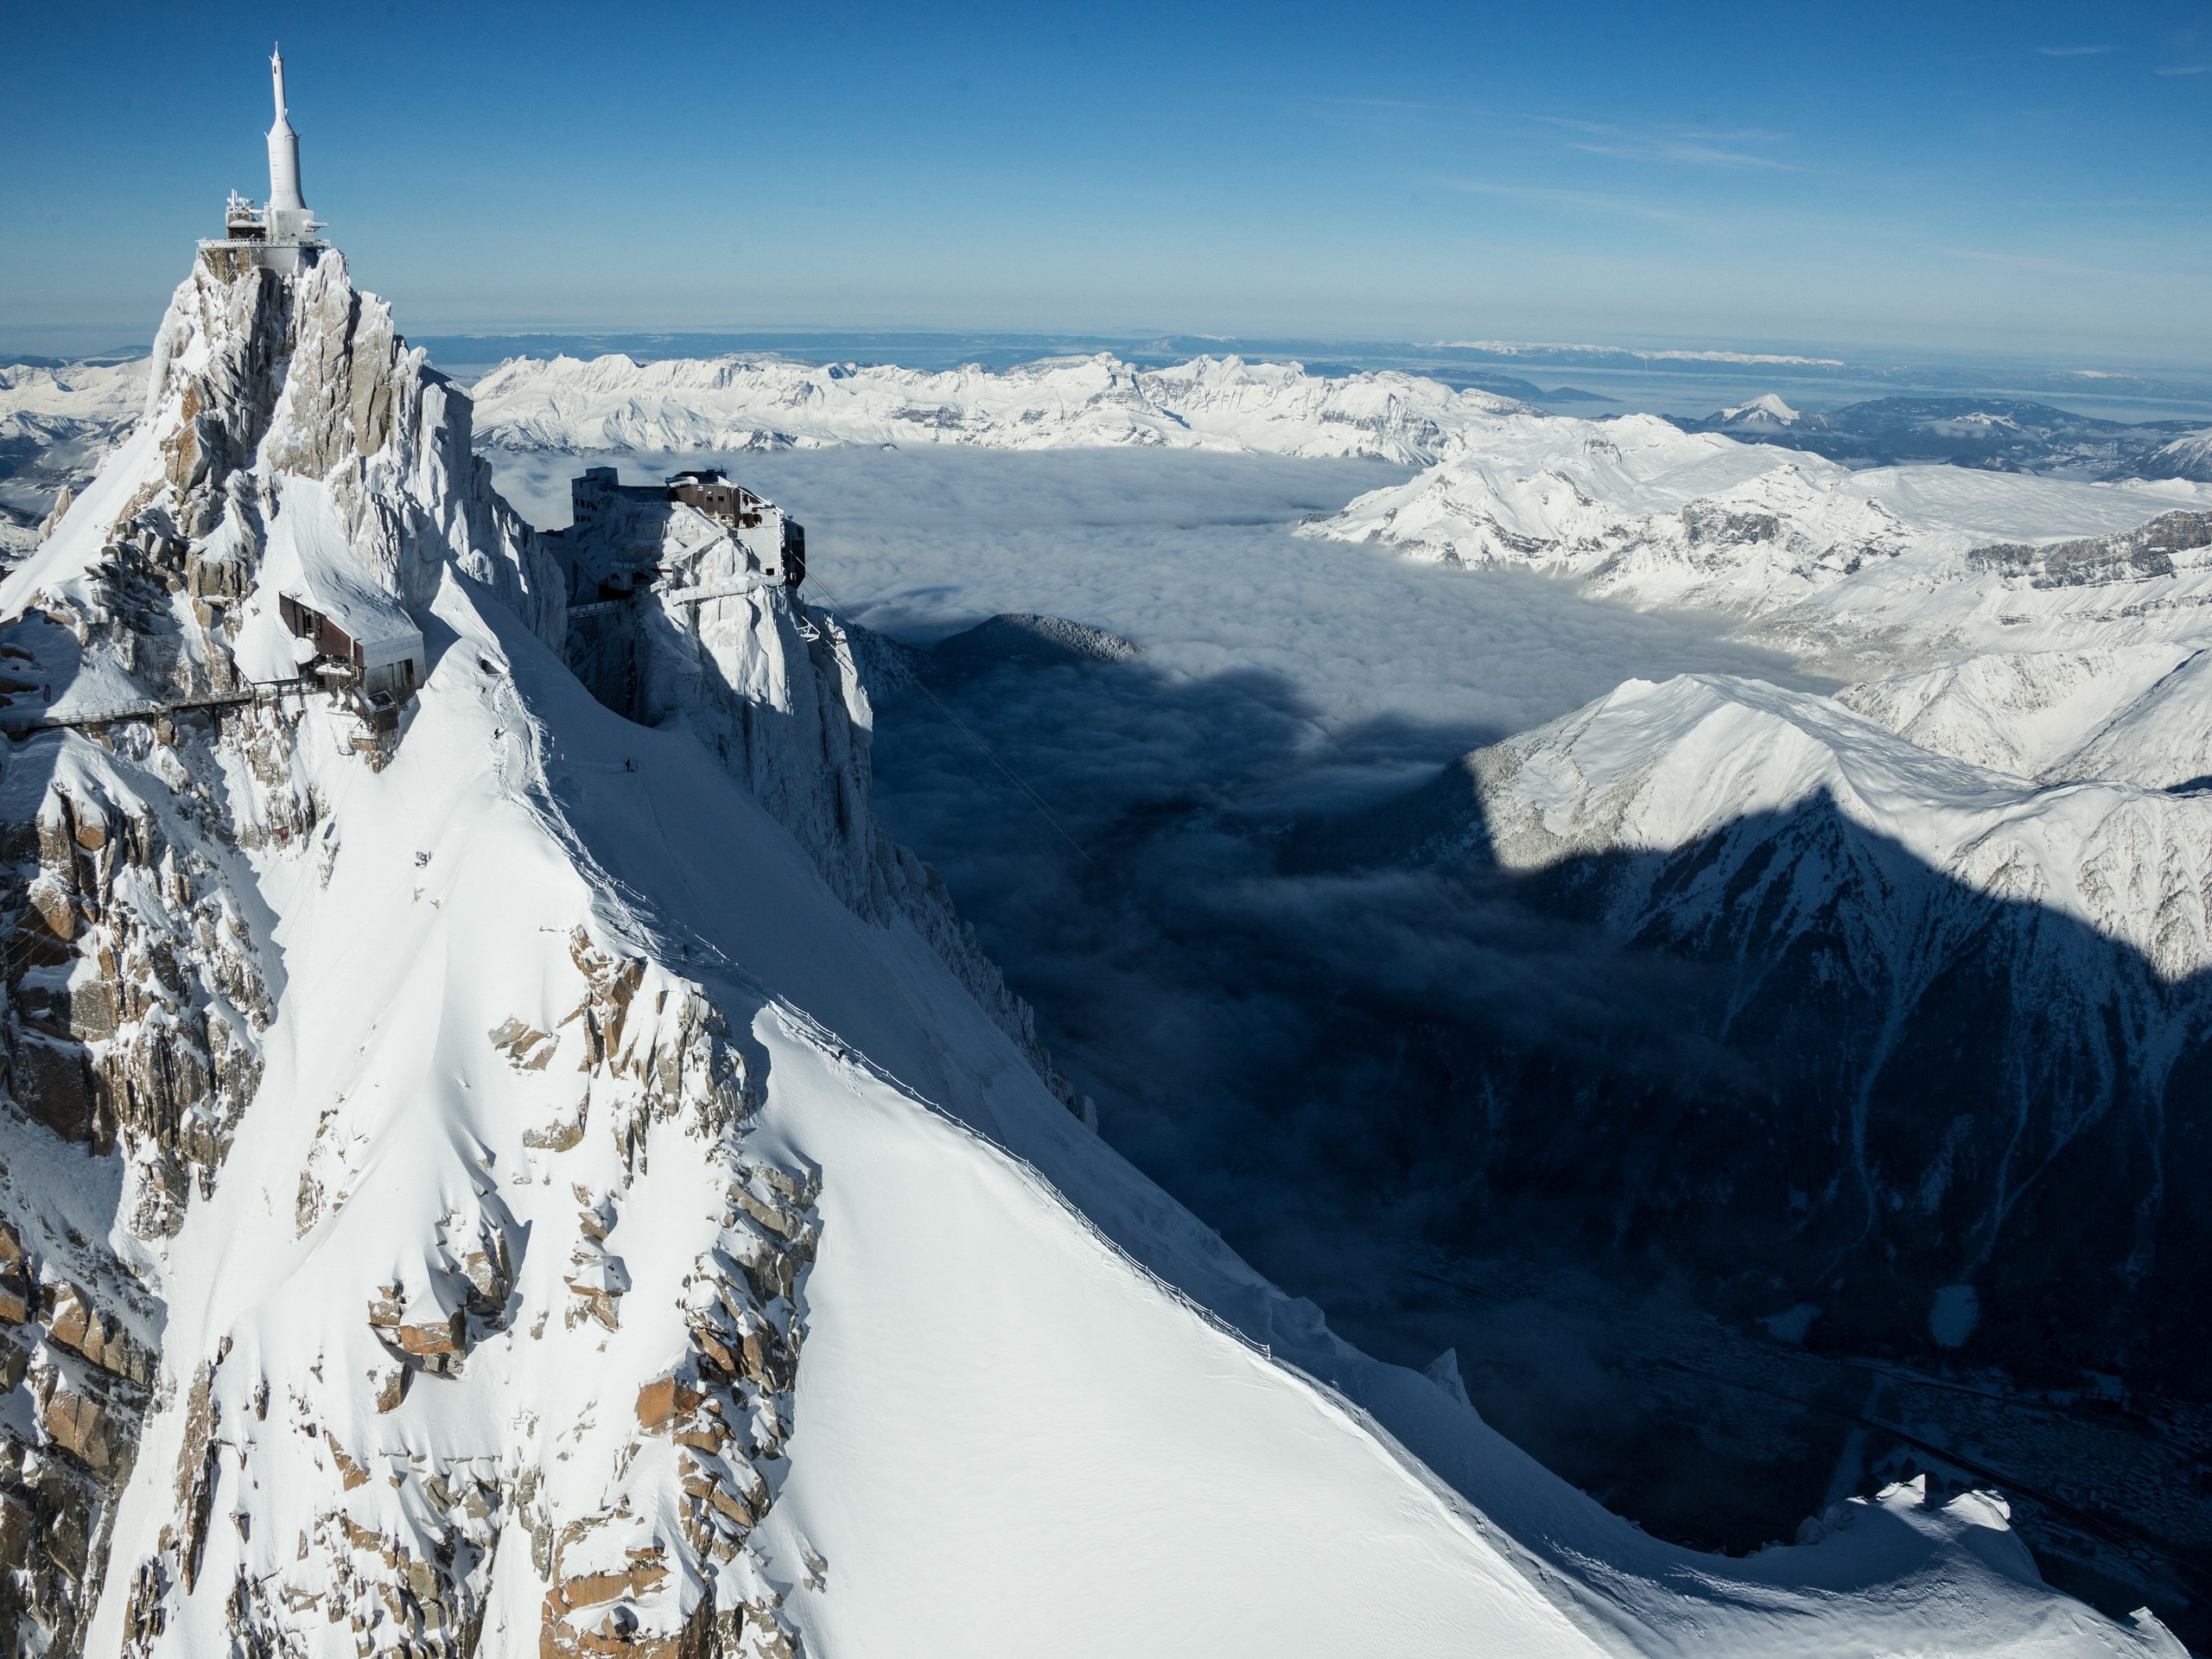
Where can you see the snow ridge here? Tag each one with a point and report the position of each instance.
(745, 402)
(512, 1192)
(56, 423)
(1825, 556)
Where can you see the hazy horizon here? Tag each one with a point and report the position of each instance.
(1868, 181)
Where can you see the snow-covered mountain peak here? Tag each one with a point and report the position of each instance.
(736, 403)
(519, 1159)
(1826, 559)
(1766, 412)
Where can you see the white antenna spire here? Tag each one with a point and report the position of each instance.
(284, 149)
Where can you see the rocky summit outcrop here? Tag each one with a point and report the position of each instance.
(143, 987)
(714, 647)
(356, 1457)
(140, 986)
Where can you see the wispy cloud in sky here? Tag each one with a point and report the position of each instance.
(1685, 147)
(2042, 266)
(2186, 69)
(2074, 51)
(1599, 201)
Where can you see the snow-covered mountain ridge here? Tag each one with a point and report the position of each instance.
(56, 421)
(34, 395)
(1826, 557)
(1660, 768)
(534, 1178)
(1965, 1011)
(740, 403)
(1962, 580)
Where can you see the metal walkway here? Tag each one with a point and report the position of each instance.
(12, 721)
(731, 589)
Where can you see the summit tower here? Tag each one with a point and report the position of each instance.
(281, 235)
(284, 149)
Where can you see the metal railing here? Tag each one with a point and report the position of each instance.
(12, 721)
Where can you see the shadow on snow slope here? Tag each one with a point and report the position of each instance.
(1684, 1201)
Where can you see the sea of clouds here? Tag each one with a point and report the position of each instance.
(1248, 1025)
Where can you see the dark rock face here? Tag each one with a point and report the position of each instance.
(2188, 456)
(1025, 641)
(1926, 1087)
(1683, 1152)
(1877, 1082)
(2127, 555)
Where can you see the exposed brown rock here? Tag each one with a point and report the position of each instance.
(17, 1523)
(78, 1424)
(15, 1280)
(434, 1339)
(422, 1332)
(391, 1387)
(350, 1472)
(527, 1048)
(661, 1402)
(79, 1325)
(52, 910)
(53, 1084)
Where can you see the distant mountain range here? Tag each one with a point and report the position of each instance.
(2001, 434)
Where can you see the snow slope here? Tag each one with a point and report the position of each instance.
(2057, 713)
(2187, 456)
(547, 1204)
(56, 422)
(1658, 768)
(1827, 559)
(738, 402)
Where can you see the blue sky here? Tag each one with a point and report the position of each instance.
(2021, 178)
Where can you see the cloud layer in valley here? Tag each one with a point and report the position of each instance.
(1243, 1016)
